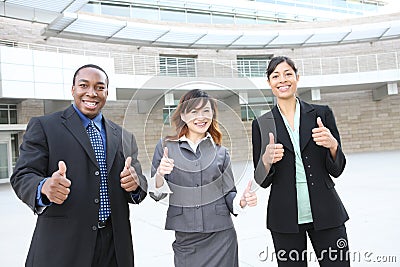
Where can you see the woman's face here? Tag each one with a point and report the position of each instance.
(283, 81)
(198, 119)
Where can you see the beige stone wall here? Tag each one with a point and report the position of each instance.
(364, 124)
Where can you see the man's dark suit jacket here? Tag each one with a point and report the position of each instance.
(326, 206)
(65, 235)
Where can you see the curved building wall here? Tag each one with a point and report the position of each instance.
(365, 124)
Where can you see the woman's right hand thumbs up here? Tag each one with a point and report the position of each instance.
(166, 164)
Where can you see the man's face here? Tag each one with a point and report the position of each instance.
(90, 91)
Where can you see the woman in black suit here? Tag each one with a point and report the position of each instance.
(296, 151)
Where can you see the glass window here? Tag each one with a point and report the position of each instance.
(252, 111)
(4, 161)
(115, 10)
(173, 15)
(92, 8)
(252, 66)
(222, 19)
(4, 117)
(145, 13)
(245, 20)
(198, 17)
(8, 114)
(14, 148)
(167, 113)
(178, 66)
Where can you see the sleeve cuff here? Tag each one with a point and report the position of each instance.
(41, 200)
(237, 209)
(164, 189)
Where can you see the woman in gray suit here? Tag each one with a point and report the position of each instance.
(194, 167)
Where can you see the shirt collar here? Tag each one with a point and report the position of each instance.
(296, 115)
(208, 136)
(85, 120)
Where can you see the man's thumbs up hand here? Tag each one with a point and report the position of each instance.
(56, 187)
(129, 178)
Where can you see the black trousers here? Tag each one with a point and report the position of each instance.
(330, 247)
(104, 252)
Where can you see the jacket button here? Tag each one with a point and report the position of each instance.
(94, 228)
(310, 174)
(312, 183)
(96, 173)
(309, 166)
(96, 200)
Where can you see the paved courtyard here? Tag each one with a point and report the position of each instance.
(369, 188)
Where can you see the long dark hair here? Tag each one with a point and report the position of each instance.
(189, 101)
(275, 61)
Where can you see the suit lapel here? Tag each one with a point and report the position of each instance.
(74, 125)
(112, 143)
(308, 121)
(282, 133)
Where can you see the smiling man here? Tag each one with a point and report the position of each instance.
(78, 171)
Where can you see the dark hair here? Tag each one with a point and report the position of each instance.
(275, 61)
(89, 66)
(188, 102)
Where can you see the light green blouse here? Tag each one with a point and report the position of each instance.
(304, 214)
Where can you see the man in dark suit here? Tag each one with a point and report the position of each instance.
(78, 171)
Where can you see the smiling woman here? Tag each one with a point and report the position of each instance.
(296, 151)
(196, 169)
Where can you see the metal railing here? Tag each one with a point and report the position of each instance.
(134, 64)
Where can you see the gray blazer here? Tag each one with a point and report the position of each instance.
(202, 184)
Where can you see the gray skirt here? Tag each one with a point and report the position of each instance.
(217, 249)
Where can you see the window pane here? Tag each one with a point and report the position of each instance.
(3, 161)
(114, 10)
(13, 117)
(173, 15)
(3, 116)
(180, 67)
(14, 148)
(198, 17)
(145, 13)
(244, 20)
(220, 19)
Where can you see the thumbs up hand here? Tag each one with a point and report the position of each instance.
(249, 197)
(129, 178)
(166, 164)
(56, 188)
(322, 136)
(273, 152)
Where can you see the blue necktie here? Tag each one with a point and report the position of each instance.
(97, 144)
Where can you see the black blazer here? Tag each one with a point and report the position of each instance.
(326, 206)
(65, 235)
